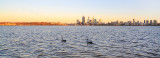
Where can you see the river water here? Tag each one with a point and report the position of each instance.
(109, 41)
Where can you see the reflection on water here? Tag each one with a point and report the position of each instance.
(109, 41)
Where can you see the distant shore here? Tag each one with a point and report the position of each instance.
(32, 24)
(57, 24)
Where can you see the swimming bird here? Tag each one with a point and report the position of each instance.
(63, 39)
(89, 42)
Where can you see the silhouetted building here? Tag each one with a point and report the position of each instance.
(83, 20)
(95, 21)
(137, 23)
(133, 22)
(151, 23)
(144, 22)
(88, 21)
(147, 22)
(155, 22)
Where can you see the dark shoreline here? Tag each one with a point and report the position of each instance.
(43, 25)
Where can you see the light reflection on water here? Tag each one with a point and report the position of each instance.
(109, 41)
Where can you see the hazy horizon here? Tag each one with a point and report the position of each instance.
(68, 11)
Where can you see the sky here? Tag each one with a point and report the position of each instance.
(68, 11)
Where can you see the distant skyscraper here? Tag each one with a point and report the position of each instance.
(144, 22)
(151, 23)
(133, 22)
(155, 22)
(93, 21)
(88, 21)
(83, 20)
(147, 22)
(137, 23)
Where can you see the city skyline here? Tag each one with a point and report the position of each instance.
(85, 19)
(68, 11)
(97, 22)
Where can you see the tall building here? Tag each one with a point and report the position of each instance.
(147, 22)
(151, 23)
(83, 20)
(93, 21)
(155, 22)
(133, 22)
(137, 23)
(88, 21)
(144, 22)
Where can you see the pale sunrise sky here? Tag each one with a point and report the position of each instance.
(68, 11)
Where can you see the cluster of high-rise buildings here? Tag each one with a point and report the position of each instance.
(94, 21)
(89, 21)
(138, 23)
(135, 23)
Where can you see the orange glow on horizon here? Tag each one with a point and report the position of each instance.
(68, 19)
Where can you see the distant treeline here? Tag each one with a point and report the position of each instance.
(32, 23)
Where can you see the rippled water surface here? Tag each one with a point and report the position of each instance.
(109, 41)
